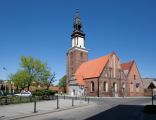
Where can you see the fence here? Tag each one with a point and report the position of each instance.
(5, 100)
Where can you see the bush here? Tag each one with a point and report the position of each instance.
(44, 92)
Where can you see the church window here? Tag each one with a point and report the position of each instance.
(92, 86)
(74, 41)
(71, 58)
(106, 75)
(134, 77)
(111, 72)
(105, 86)
(137, 86)
(81, 55)
(71, 55)
(131, 87)
(77, 40)
(123, 85)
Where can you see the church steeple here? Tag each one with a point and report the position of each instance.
(77, 53)
(77, 22)
(78, 37)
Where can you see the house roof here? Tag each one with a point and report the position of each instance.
(127, 65)
(91, 69)
(2, 81)
(152, 85)
(147, 82)
(154, 82)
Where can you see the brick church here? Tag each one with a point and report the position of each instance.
(103, 76)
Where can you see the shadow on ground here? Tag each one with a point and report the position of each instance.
(120, 112)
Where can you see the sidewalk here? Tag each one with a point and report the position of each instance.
(19, 110)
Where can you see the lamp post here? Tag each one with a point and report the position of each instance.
(152, 86)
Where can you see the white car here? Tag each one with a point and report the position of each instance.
(26, 94)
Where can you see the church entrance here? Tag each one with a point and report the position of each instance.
(73, 92)
(115, 89)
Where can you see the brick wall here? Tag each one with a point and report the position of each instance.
(133, 77)
(88, 91)
(74, 59)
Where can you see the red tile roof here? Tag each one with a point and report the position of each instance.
(127, 65)
(91, 69)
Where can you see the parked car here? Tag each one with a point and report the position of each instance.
(25, 94)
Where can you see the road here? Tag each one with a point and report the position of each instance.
(104, 108)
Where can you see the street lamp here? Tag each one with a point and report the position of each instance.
(152, 86)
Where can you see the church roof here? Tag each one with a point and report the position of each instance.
(127, 65)
(91, 69)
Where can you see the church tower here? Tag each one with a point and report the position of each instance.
(77, 54)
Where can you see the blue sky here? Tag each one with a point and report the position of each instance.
(42, 29)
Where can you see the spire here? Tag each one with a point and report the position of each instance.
(77, 21)
(77, 26)
(77, 36)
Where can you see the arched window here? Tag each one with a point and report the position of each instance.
(115, 87)
(81, 55)
(134, 77)
(111, 72)
(120, 74)
(137, 86)
(123, 85)
(77, 40)
(71, 55)
(71, 59)
(92, 86)
(105, 86)
(123, 89)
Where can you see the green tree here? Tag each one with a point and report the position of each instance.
(62, 82)
(20, 79)
(31, 70)
(51, 80)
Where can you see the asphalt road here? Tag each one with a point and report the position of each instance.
(102, 109)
